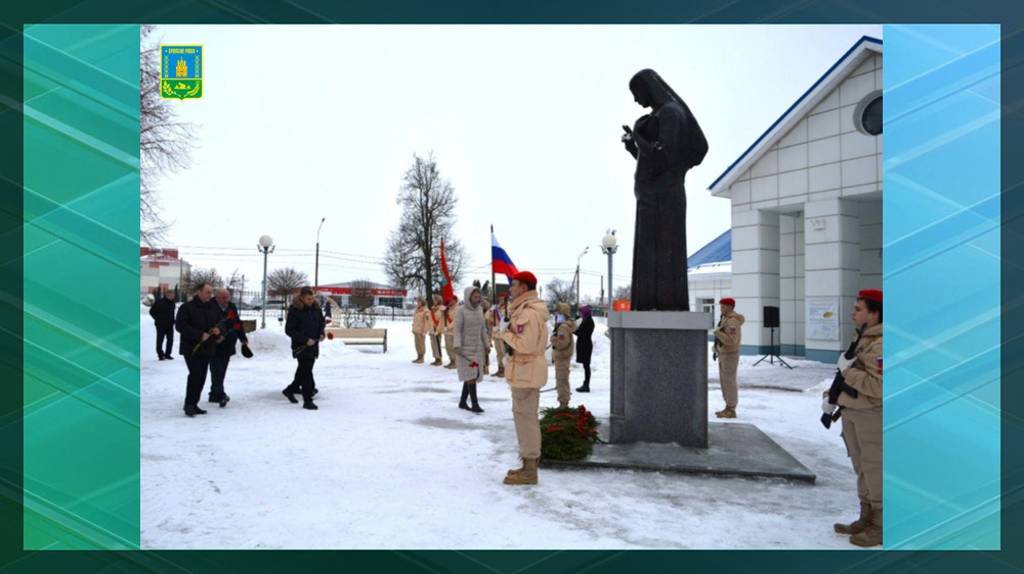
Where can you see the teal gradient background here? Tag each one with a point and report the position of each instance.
(941, 278)
(81, 353)
(968, 520)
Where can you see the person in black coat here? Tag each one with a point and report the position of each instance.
(233, 332)
(305, 327)
(197, 322)
(585, 345)
(162, 313)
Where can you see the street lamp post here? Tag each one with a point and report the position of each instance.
(316, 268)
(585, 250)
(609, 246)
(266, 246)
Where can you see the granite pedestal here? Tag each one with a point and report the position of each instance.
(659, 377)
(734, 450)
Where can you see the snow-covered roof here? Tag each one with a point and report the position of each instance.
(722, 268)
(717, 250)
(812, 97)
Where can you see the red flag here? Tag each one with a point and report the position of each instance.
(447, 292)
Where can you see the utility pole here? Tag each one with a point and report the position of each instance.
(316, 266)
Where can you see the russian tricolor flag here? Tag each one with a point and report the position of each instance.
(500, 261)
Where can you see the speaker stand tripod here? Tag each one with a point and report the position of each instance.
(772, 355)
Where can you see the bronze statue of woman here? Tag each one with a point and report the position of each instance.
(666, 143)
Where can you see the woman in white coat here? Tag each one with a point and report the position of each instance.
(470, 344)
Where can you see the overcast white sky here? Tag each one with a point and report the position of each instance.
(302, 122)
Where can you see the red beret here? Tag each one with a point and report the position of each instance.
(870, 295)
(727, 301)
(525, 277)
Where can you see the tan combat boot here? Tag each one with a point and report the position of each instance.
(419, 359)
(513, 471)
(436, 363)
(525, 475)
(726, 413)
(501, 372)
(563, 404)
(857, 526)
(872, 534)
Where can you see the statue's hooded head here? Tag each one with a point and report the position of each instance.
(649, 90)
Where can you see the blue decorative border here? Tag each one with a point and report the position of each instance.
(941, 278)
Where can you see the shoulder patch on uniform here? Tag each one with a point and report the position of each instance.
(519, 329)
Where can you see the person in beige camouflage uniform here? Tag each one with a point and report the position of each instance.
(862, 419)
(728, 337)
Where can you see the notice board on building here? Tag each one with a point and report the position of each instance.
(822, 319)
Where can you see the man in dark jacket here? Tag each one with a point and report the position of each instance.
(233, 332)
(305, 327)
(162, 313)
(197, 322)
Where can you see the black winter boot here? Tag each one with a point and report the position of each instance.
(309, 405)
(465, 395)
(472, 396)
(289, 392)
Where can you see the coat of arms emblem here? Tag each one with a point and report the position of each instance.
(181, 72)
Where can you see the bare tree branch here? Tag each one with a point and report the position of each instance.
(200, 275)
(163, 141)
(559, 290)
(286, 281)
(428, 201)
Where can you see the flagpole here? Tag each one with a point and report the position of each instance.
(494, 286)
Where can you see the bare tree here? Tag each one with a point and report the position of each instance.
(622, 293)
(428, 204)
(559, 290)
(362, 294)
(285, 281)
(233, 281)
(200, 275)
(164, 141)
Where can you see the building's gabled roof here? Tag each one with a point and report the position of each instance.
(719, 250)
(812, 97)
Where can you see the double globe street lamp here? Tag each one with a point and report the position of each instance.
(609, 245)
(266, 247)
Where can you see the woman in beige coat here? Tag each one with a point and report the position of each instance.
(469, 342)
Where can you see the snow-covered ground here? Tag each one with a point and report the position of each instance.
(389, 461)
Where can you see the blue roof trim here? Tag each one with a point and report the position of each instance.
(863, 39)
(718, 250)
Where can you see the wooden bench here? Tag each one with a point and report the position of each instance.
(360, 336)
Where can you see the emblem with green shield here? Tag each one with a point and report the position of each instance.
(181, 72)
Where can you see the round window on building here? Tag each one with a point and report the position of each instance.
(868, 114)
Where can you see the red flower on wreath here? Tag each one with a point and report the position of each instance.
(553, 428)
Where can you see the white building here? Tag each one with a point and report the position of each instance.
(807, 211)
(383, 295)
(709, 276)
(160, 269)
